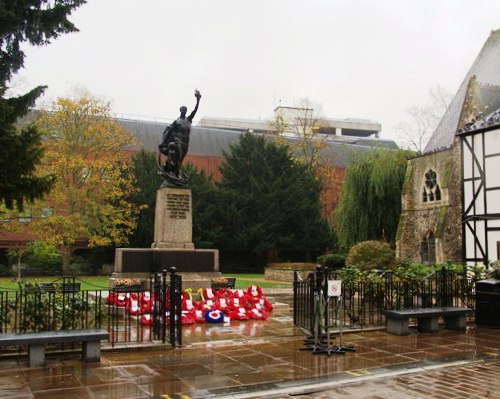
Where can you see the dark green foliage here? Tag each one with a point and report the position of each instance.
(20, 153)
(32, 21)
(35, 22)
(369, 255)
(37, 310)
(147, 181)
(207, 208)
(370, 202)
(270, 202)
(332, 261)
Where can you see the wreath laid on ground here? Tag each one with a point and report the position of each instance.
(215, 306)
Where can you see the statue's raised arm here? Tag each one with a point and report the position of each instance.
(197, 94)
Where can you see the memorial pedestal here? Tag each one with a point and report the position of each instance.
(173, 219)
(172, 244)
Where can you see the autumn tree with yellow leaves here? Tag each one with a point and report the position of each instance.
(87, 152)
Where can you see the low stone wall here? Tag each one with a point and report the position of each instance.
(285, 271)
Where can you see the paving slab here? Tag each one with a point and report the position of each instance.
(267, 359)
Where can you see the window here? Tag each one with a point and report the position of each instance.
(431, 191)
(428, 249)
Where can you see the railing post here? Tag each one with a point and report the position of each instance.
(166, 303)
(295, 296)
(175, 308)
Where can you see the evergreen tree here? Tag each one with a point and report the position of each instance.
(370, 202)
(270, 202)
(147, 182)
(35, 22)
(207, 208)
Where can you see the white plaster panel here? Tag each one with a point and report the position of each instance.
(492, 141)
(492, 171)
(493, 201)
(467, 161)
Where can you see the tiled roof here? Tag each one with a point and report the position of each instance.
(486, 72)
(492, 119)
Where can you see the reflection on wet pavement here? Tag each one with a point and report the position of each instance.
(219, 360)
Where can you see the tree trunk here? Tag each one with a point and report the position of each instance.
(66, 258)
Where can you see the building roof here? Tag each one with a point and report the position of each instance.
(349, 126)
(213, 142)
(473, 94)
(491, 120)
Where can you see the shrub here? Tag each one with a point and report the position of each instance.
(332, 261)
(414, 270)
(80, 266)
(367, 255)
(43, 256)
(5, 270)
(494, 270)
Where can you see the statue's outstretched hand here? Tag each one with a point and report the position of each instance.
(197, 94)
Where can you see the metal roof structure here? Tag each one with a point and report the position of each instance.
(214, 142)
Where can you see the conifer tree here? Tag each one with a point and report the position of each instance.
(36, 22)
(271, 202)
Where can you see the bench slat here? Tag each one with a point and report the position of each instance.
(51, 337)
(426, 312)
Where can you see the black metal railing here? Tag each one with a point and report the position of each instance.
(149, 312)
(362, 299)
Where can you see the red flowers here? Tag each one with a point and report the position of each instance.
(215, 306)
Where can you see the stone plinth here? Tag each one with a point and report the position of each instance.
(153, 260)
(173, 219)
(172, 246)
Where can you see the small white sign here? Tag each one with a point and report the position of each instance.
(334, 287)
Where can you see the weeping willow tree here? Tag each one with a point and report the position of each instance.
(370, 202)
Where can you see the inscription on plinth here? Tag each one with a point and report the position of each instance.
(179, 205)
(173, 218)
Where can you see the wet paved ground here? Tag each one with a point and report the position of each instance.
(264, 359)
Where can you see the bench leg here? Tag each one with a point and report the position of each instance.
(428, 324)
(91, 351)
(456, 322)
(36, 355)
(398, 326)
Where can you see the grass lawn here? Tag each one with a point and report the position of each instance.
(101, 282)
(87, 282)
(243, 280)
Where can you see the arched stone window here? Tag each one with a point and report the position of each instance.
(428, 249)
(431, 191)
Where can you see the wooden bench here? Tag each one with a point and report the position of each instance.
(59, 287)
(427, 319)
(36, 341)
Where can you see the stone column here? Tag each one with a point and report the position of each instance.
(173, 219)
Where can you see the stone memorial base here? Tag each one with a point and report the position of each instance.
(154, 260)
(189, 280)
(172, 246)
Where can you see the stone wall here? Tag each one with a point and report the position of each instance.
(441, 217)
(285, 271)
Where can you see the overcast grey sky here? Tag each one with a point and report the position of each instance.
(356, 58)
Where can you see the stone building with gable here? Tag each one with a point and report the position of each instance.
(431, 228)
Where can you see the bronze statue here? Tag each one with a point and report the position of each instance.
(174, 146)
